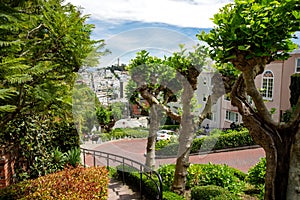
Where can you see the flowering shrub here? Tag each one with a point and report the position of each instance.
(71, 183)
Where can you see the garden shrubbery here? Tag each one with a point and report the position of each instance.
(256, 174)
(170, 127)
(211, 192)
(125, 132)
(70, 183)
(216, 141)
(222, 141)
(206, 181)
(218, 179)
(131, 176)
(206, 174)
(256, 177)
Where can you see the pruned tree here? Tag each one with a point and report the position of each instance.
(152, 81)
(249, 34)
(188, 67)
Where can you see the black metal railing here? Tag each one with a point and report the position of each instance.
(100, 158)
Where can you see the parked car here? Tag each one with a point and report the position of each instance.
(165, 135)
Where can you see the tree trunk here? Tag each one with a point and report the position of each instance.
(154, 127)
(185, 140)
(281, 143)
(293, 189)
(282, 156)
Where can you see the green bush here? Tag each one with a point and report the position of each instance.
(206, 174)
(125, 132)
(136, 132)
(239, 174)
(169, 150)
(213, 174)
(59, 159)
(73, 157)
(167, 195)
(167, 174)
(161, 144)
(40, 142)
(71, 183)
(256, 174)
(132, 177)
(218, 140)
(65, 136)
(256, 177)
(223, 141)
(211, 192)
(170, 127)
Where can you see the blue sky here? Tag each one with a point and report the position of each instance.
(159, 26)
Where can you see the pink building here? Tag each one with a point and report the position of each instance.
(274, 83)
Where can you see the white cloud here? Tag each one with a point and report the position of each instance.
(184, 13)
(158, 41)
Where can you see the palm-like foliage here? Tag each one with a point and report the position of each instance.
(42, 45)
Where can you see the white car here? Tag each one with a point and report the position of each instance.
(165, 135)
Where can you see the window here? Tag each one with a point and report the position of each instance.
(267, 85)
(204, 98)
(232, 116)
(214, 117)
(204, 80)
(297, 70)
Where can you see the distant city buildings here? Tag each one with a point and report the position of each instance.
(109, 87)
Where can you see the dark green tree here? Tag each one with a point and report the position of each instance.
(43, 44)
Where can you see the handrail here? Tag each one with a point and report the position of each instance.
(143, 169)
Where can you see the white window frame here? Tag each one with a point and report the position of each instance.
(297, 65)
(266, 91)
(232, 116)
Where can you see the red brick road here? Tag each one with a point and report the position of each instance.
(135, 149)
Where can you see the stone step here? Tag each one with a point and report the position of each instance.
(117, 191)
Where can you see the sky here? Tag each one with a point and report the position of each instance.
(158, 26)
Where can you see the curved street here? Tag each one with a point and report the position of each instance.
(135, 149)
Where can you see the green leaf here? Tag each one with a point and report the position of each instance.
(244, 47)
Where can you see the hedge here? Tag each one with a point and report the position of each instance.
(126, 132)
(210, 143)
(217, 142)
(70, 183)
(211, 192)
(170, 127)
